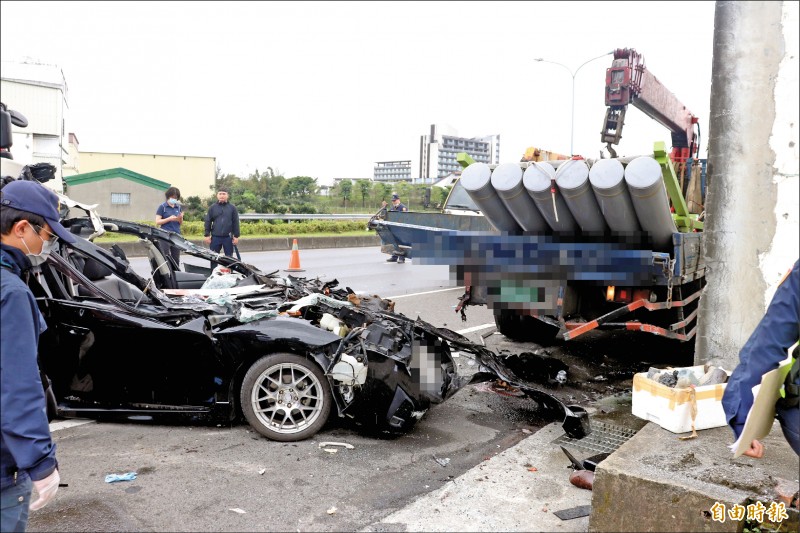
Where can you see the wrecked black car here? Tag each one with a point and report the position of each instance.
(281, 352)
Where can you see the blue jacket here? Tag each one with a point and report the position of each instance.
(25, 442)
(222, 220)
(778, 330)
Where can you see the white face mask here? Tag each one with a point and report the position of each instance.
(41, 257)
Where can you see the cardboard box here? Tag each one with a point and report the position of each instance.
(671, 408)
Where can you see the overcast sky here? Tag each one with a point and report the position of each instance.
(325, 89)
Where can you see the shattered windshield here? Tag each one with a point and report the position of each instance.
(460, 199)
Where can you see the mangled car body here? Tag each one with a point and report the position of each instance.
(286, 353)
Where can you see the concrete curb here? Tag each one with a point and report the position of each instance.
(501, 494)
(137, 249)
(656, 482)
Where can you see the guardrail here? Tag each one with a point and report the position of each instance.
(303, 216)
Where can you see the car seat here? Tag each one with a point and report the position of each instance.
(164, 273)
(103, 278)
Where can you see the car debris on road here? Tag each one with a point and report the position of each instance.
(325, 445)
(113, 478)
(283, 352)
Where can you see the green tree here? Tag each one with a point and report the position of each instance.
(248, 201)
(300, 188)
(364, 187)
(380, 192)
(194, 208)
(217, 177)
(257, 183)
(345, 191)
(276, 185)
(443, 192)
(231, 181)
(418, 194)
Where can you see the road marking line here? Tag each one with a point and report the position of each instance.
(476, 328)
(421, 293)
(65, 424)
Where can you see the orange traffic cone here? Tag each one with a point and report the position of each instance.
(294, 260)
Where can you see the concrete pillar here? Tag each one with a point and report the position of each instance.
(752, 201)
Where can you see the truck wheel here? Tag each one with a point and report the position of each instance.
(286, 397)
(525, 328)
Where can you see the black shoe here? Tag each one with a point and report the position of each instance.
(392, 259)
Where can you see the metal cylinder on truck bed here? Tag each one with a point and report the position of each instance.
(507, 182)
(537, 179)
(649, 198)
(607, 177)
(572, 179)
(476, 180)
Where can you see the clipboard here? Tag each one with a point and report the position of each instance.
(761, 416)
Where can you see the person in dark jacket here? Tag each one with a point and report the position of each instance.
(777, 331)
(397, 205)
(29, 228)
(170, 217)
(222, 224)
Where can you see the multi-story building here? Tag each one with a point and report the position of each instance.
(438, 150)
(392, 171)
(39, 92)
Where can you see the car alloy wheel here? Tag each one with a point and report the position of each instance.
(286, 397)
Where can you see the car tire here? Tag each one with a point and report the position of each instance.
(286, 397)
(525, 328)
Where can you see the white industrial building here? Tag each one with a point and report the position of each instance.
(39, 92)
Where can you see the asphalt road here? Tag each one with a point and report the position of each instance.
(202, 478)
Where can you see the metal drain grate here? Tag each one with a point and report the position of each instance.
(604, 438)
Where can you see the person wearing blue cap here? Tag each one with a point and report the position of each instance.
(397, 205)
(29, 229)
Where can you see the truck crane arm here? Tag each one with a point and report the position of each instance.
(628, 81)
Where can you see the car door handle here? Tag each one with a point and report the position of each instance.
(78, 331)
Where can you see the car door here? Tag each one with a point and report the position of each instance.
(108, 354)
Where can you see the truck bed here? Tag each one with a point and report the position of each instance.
(445, 239)
(555, 278)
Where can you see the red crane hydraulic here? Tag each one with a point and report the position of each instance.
(629, 82)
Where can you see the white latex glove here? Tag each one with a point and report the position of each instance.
(46, 488)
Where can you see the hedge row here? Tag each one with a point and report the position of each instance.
(264, 227)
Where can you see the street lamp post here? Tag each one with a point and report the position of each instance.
(573, 74)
